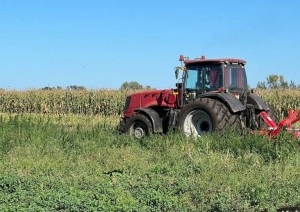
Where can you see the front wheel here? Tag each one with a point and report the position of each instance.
(138, 125)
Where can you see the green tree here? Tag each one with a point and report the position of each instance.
(133, 85)
(293, 85)
(275, 81)
(261, 85)
(76, 87)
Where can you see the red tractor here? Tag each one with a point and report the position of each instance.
(212, 95)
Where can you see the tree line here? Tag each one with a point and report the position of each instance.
(275, 81)
(272, 82)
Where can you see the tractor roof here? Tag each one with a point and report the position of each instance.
(203, 60)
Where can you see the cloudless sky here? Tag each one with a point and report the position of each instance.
(101, 44)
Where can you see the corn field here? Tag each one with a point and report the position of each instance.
(103, 102)
(281, 99)
(108, 102)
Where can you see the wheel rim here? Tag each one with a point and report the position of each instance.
(196, 123)
(138, 130)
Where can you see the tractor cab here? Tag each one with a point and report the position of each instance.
(219, 75)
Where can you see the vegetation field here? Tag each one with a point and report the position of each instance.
(81, 163)
(61, 151)
(108, 102)
(62, 101)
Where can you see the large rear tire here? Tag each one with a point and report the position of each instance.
(205, 116)
(138, 125)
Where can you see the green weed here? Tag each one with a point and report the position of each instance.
(80, 163)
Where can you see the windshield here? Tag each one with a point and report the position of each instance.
(203, 78)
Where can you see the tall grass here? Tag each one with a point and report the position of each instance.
(81, 163)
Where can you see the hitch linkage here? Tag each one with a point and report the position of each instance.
(286, 124)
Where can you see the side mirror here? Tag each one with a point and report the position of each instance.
(177, 72)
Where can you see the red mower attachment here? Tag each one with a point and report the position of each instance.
(286, 124)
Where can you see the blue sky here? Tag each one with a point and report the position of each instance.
(101, 44)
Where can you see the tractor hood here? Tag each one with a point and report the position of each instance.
(148, 99)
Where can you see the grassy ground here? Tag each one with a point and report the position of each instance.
(80, 163)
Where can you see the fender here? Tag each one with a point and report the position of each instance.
(258, 102)
(154, 118)
(232, 102)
